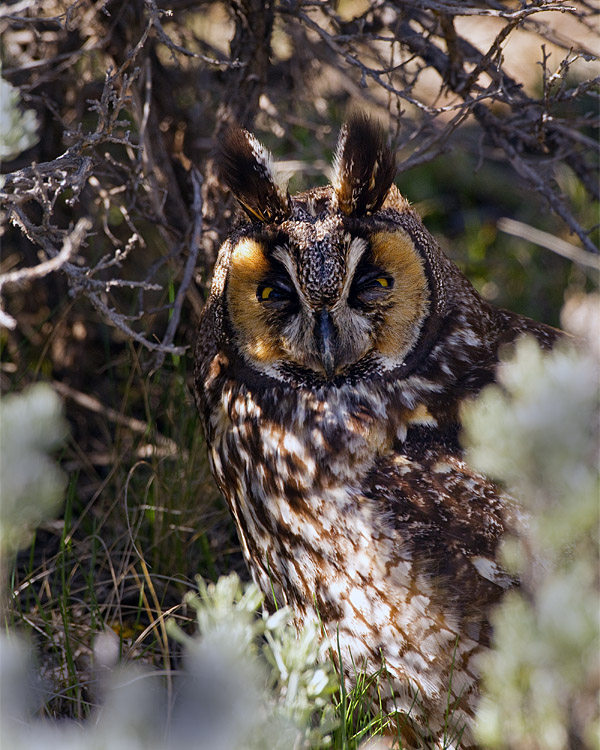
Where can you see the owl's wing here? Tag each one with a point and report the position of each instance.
(451, 520)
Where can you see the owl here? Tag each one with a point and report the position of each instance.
(334, 353)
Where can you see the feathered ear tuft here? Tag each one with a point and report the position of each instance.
(247, 169)
(363, 167)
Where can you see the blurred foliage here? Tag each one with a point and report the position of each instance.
(18, 130)
(537, 432)
(31, 427)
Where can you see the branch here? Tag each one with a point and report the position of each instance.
(70, 246)
(190, 266)
(549, 241)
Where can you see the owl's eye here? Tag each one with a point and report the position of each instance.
(266, 292)
(369, 287)
(277, 294)
(381, 281)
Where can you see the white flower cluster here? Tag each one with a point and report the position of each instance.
(18, 128)
(31, 484)
(537, 432)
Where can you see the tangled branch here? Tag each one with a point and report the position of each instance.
(70, 246)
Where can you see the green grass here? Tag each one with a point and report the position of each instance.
(140, 519)
(359, 714)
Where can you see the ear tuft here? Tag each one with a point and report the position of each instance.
(247, 169)
(363, 167)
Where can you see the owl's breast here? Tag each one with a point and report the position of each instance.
(340, 503)
(291, 463)
(318, 436)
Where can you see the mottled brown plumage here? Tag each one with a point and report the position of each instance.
(333, 356)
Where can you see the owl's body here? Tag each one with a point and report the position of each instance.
(334, 354)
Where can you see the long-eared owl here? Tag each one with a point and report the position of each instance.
(333, 355)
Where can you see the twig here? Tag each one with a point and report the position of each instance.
(549, 241)
(135, 425)
(71, 244)
(119, 321)
(190, 266)
(463, 9)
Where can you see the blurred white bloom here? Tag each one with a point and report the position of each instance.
(254, 681)
(127, 722)
(538, 433)
(15, 663)
(31, 484)
(524, 431)
(581, 317)
(18, 128)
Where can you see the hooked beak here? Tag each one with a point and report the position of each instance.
(325, 335)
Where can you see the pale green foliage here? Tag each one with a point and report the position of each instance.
(18, 129)
(538, 433)
(283, 679)
(31, 484)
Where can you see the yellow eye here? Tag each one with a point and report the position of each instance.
(382, 281)
(279, 295)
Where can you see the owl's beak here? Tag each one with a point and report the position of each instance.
(326, 334)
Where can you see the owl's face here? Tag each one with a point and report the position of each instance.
(328, 282)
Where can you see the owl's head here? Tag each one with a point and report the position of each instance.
(330, 283)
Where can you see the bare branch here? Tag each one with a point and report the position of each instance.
(558, 246)
(190, 267)
(70, 246)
